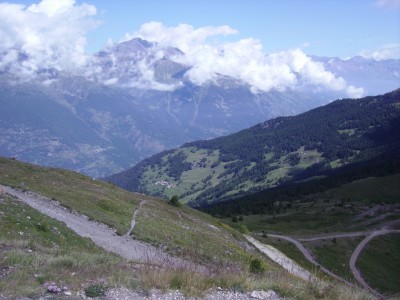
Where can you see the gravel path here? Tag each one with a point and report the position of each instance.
(133, 222)
(125, 294)
(309, 256)
(281, 259)
(101, 234)
(338, 235)
(357, 274)
(356, 253)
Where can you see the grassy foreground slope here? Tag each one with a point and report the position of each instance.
(99, 201)
(157, 222)
(36, 250)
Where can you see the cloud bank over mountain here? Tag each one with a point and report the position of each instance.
(51, 36)
(385, 52)
(243, 59)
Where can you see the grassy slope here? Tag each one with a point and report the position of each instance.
(334, 254)
(372, 189)
(59, 255)
(306, 218)
(335, 211)
(191, 180)
(35, 249)
(157, 221)
(204, 175)
(331, 211)
(189, 233)
(380, 263)
(98, 200)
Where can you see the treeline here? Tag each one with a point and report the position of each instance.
(177, 165)
(131, 178)
(261, 202)
(337, 130)
(349, 130)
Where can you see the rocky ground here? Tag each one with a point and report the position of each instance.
(126, 294)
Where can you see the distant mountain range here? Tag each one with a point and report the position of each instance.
(356, 137)
(140, 102)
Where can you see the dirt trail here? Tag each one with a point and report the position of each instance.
(309, 256)
(356, 253)
(338, 235)
(281, 259)
(357, 274)
(133, 222)
(101, 234)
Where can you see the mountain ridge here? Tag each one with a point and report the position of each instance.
(276, 152)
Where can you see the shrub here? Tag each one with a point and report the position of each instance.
(243, 229)
(43, 226)
(174, 201)
(95, 290)
(176, 282)
(257, 266)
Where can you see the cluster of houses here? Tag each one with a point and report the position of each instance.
(165, 183)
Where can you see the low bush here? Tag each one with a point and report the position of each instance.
(257, 266)
(243, 229)
(95, 290)
(175, 201)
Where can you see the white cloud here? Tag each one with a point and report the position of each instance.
(50, 34)
(146, 77)
(354, 92)
(243, 59)
(385, 52)
(110, 81)
(183, 36)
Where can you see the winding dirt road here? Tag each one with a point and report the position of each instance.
(101, 234)
(356, 253)
(281, 259)
(338, 235)
(357, 274)
(309, 256)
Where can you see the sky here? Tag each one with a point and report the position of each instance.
(266, 43)
(342, 28)
(336, 28)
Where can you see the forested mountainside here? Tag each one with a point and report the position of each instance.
(277, 199)
(285, 150)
